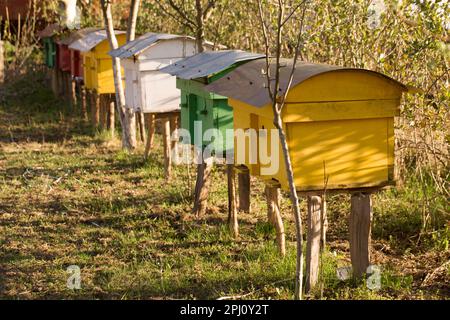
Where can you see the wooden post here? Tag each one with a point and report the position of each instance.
(313, 244)
(141, 123)
(173, 128)
(73, 93)
(2, 63)
(232, 205)
(95, 108)
(360, 228)
(167, 151)
(104, 103)
(324, 223)
(244, 189)
(112, 119)
(272, 193)
(55, 81)
(150, 118)
(84, 98)
(202, 187)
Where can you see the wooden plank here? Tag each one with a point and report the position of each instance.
(313, 242)
(232, 205)
(272, 194)
(167, 151)
(360, 229)
(244, 189)
(341, 110)
(150, 119)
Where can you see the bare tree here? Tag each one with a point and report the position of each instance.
(126, 115)
(203, 11)
(128, 136)
(283, 15)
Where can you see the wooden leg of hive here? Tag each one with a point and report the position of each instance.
(54, 81)
(274, 215)
(95, 109)
(324, 223)
(232, 205)
(244, 189)
(313, 242)
(73, 93)
(173, 128)
(150, 119)
(112, 118)
(202, 187)
(360, 229)
(141, 120)
(167, 151)
(84, 100)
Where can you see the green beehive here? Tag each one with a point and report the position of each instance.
(48, 37)
(197, 104)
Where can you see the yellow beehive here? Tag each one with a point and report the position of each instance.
(97, 64)
(339, 124)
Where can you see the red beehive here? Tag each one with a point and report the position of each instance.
(70, 60)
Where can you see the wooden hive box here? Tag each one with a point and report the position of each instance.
(50, 48)
(148, 89)
(65, 55)
(97, 64)
(339, 124)
(197, 104)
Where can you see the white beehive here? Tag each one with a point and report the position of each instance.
(147, 89)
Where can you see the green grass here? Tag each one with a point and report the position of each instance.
(71, 196)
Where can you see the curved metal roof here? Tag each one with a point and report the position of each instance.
(76, 35)
(91, 40)
(208, 63)
(247, 83)
(142, 43)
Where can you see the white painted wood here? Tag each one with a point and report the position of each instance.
(147, 89)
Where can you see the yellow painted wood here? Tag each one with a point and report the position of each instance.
(98, 68)
(341, 110)
(338, 124)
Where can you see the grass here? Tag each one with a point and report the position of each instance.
(71, 196)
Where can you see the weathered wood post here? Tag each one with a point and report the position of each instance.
(104, 110)
(2, 63)
(84, 101)
(360, 228)
(73, 93)
(202, 187)
(112, 119)
(150, 119)
(141, 125)
(173, 128)
(167, 149)
(244, 188)
(95, 108)
(272, 192)
(313, 242)
(232, 205)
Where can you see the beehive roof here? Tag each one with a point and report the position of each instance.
(248, 83)
(208, 63)
(75, 35)
(50, 30)
(142, 43)
(91, 40)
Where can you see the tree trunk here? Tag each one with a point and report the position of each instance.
(132, 20)
(112, 119)
(295, 203)
(200, 32)
(126, 120)
(232, 206)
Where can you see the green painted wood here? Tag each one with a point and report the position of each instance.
(49, 52)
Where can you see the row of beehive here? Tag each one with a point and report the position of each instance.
(339, 121)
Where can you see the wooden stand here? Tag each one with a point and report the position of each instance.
(244, 188)
(84, 99)
(150, 119)
(272, 192)
(232, 205)
(202, 187)
(95, 109)
(313, 242)
(360, 229)
(167, 149)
